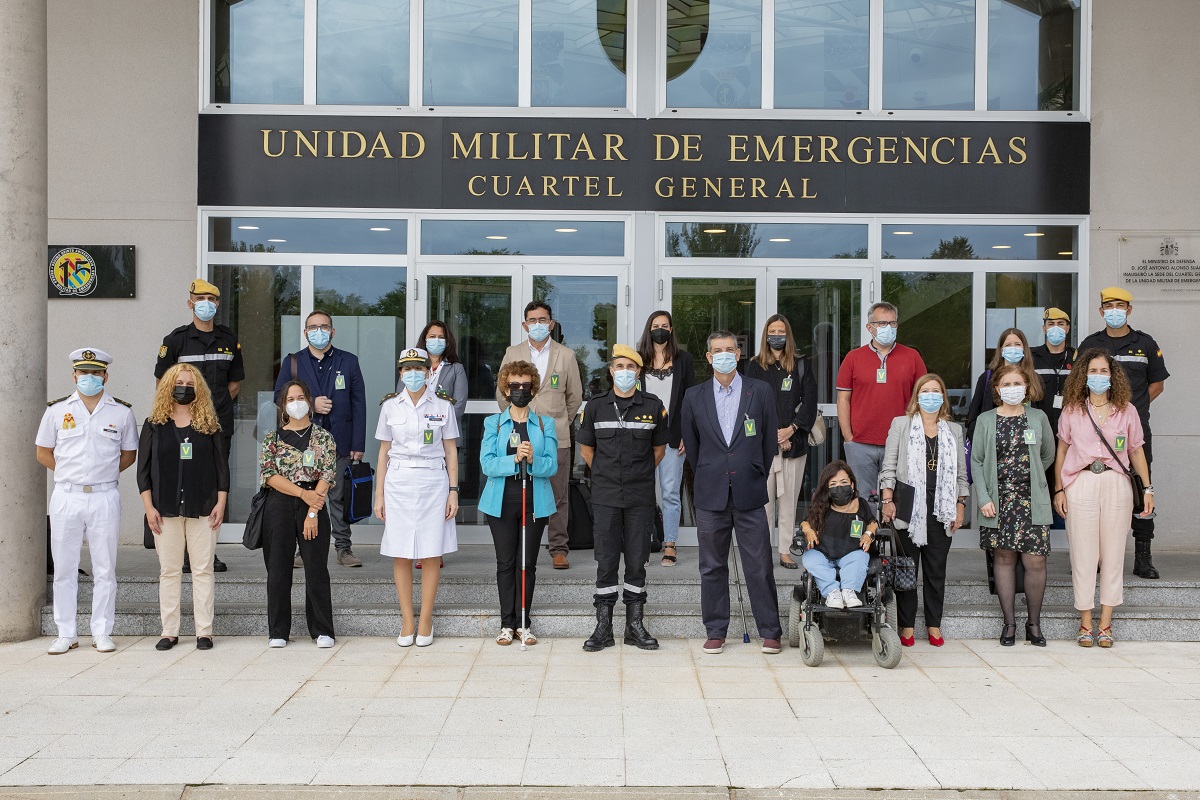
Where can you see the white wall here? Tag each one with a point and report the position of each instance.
(1145, 174)
(122, 155)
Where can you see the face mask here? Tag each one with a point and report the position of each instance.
(1056, 336)
(184, 395)
(1099, 383)
(777, 342)
(520, 397)
(660, 336)
(435, 346)
(414, 380)
(89, 385)
(1013, 355)
(724, 363)
(539, 331)
(1012, 395)
(205, 310)
(624, 379)
(319, 338)
(297, 409)
(841, 495)
(885, 336)
(930, 401)
(1115, 317)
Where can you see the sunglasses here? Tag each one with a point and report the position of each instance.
(512, 387)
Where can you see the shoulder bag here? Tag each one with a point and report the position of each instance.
(252, 536)
(816, 436)
(1139, 487)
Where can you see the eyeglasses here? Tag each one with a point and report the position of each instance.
(311, 328)
(886, 323)
(512, 387)
(539, 321)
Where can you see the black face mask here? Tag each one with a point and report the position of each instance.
(777, 342)
(520, 397)
(184, 395)
(660, 336)
(841, 495)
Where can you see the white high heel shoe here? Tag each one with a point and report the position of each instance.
(425, 641)
(405, 641)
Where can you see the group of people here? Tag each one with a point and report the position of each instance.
(1049, 432)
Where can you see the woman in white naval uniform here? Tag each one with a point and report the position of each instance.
(416, 494)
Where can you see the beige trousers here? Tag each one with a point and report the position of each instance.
(784, 482)
(1098, 511)
(194, 534)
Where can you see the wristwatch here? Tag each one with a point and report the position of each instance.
(312, 515)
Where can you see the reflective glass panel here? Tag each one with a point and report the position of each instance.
(1033, 55)
(307, 235)
(929, 54)
(479, 311)
(936, 319)
(579, 53)
(700, 306)
(255, 302)
(765, 240)
(470, 53)
(1020, 299)
(822, 53)
(509, 237)
(985, 242)
(362, 52)
(714, 54)
(258, 51)
(585, 313)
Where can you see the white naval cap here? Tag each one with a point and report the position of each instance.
(90, 358)
(413, 355)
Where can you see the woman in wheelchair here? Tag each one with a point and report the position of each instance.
(838, 531)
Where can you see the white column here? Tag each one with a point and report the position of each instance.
(23, 339)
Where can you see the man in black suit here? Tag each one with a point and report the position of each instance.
(728, 434)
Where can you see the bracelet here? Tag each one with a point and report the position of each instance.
(454, 488)
(1059, 491)
(888, 500)
(962, 501)
(1148, 490)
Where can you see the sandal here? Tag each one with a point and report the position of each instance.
(506, 637)
(526, 636)
(670, 555)
(1086, 637)
(1104, 637)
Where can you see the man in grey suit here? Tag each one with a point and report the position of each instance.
(728, 433)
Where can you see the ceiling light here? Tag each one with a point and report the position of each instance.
(247, 227)
(380, 230)
(277, 240)
(566, 230)
(714, 230)
(902, 233)
(1065, 253)
(1002, 247)
(779, 240)
(1034, 234)
(495, 237)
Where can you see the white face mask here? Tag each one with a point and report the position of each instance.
(1012, 395)
(297, 409)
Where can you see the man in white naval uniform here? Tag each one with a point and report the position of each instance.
(86, 439)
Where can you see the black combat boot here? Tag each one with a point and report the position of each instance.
(602, 637)
(1143, 567)
(635, 631)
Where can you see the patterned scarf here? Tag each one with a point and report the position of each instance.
(944, 501)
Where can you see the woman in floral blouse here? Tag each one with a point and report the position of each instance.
(298, 464)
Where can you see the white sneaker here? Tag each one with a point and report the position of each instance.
(834, 599)
(277, 643)
(103, 644)
(61, 645)
(324, 642)
(851, 598)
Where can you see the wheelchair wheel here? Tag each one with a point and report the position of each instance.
(795, 622)
(814, 646)
(889, 614)
(885, 646)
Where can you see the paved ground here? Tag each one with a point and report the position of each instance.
(465, 712)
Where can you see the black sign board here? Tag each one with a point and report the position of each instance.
(91, 270)
(762, 165)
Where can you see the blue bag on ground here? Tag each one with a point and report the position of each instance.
(358, 491)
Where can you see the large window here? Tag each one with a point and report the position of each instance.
(714, 54)
(578, 58)
(470, 53)
(929, 54)
(258, 51)
(1033, 55)
(822, 53)
(362, 52)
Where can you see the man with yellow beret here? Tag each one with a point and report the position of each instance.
(1142, 360)
(213, 349)
(622, 437)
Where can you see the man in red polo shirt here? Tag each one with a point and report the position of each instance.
(874, 385)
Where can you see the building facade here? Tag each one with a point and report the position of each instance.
(399, 161)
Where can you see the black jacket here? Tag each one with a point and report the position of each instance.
(161, 470)
(741, 466)
(797, 404)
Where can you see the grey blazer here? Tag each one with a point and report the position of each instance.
(895, 459)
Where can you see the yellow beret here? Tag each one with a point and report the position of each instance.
(1056, 313)
(625, 351)
(201, 286)
(1115, 293)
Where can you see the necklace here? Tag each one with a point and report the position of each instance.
(931, 452)
(661, 374)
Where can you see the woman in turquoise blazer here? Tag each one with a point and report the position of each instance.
(517, 440)
(1012, 446)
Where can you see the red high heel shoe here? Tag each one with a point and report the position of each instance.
(936, 641)
(908, 641)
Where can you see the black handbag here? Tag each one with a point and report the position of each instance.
(1139, 486)
(656, 531)
(252, 536)
(358, 492)
(904, 568)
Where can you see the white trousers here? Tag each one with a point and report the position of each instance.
(784, 483)
(96, 515)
